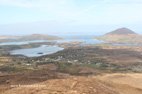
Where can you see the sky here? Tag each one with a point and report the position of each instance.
(69, 16)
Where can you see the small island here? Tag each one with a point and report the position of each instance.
(40, 53)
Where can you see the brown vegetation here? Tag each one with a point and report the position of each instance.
(105, 84)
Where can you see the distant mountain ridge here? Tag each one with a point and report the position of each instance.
(39, 37)
(28, 38)
(121, 31)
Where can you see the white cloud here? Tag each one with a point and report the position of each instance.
(59, 8)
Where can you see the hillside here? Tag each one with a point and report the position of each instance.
(105, 84)
(121, 35)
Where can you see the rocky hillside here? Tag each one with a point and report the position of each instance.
(106, 84)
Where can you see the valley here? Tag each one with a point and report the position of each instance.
(95, 68)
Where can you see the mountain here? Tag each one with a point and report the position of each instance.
(121, 31)
(121, 35)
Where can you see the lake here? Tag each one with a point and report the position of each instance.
(36, 52)
(24, 42)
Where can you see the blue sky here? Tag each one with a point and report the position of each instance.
(69, 16)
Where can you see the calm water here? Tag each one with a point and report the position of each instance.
(45, 50)
(84, 41)
(126, 44)
(24, 42)
(39, 51)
